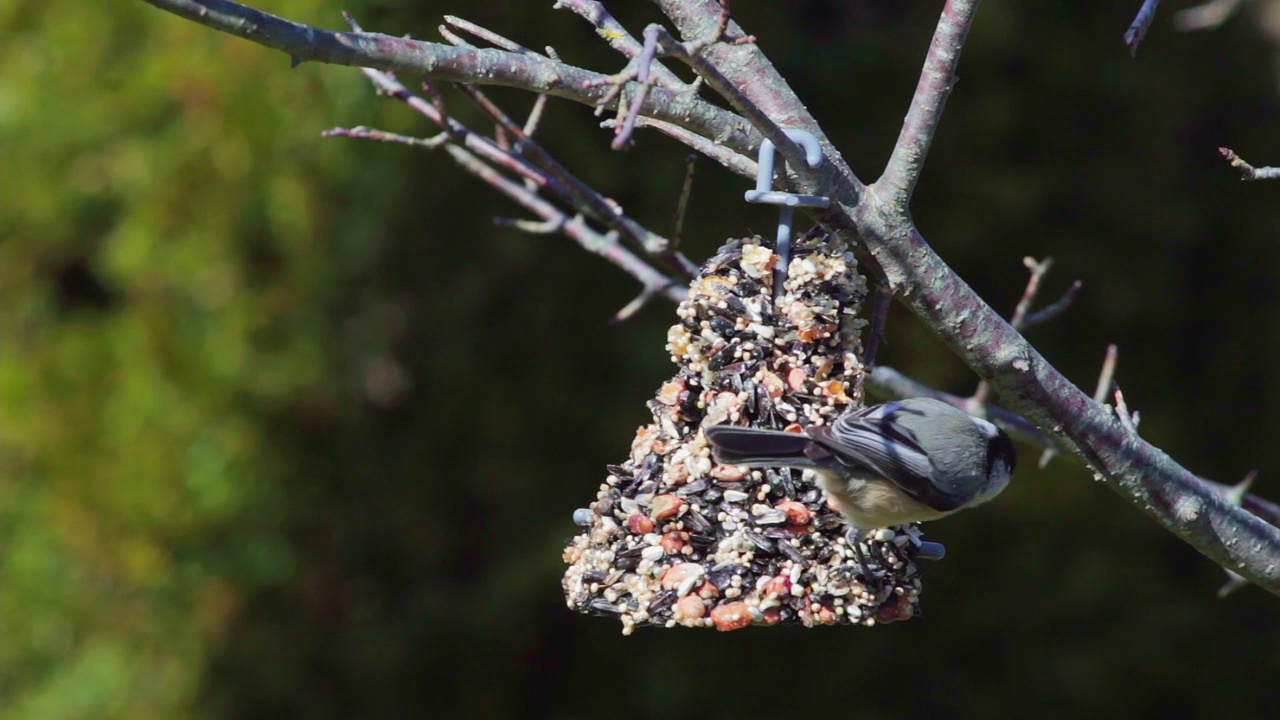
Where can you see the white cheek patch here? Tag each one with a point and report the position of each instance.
(987, 428)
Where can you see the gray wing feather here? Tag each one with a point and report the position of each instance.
(873, 440)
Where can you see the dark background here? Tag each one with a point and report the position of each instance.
(291, 429)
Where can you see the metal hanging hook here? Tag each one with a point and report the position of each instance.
(764, 193)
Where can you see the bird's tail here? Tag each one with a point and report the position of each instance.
(757, 447)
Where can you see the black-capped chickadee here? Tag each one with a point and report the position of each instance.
(899, 462)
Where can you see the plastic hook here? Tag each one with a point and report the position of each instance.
(788, 202)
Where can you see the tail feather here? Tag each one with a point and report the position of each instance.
(757, 447)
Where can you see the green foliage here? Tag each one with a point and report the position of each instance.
(169, 256)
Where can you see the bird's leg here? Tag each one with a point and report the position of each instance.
(852, 536)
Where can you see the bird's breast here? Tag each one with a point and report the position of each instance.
(875, 502)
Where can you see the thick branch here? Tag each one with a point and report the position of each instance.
(936, 80)
(1029, 385)
(889, 384)
(464, 64)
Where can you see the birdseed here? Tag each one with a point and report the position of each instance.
(671, 532)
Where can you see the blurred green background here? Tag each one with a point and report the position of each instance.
(291, 429)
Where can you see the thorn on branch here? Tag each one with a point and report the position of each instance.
(1107, 374)
(1247, 171)
(697, 46)
(452, 37)
(1234, 582)
(1141, 23)
(1127, 419)
(1236, 495)
(533, 227)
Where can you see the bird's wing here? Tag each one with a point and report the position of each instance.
(873, 440)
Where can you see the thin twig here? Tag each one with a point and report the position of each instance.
(622, 135)
(1038, 270)
(369, 133)
(535, 115)
(881, 296)
(618, 38)
(487, 35)
(1054, 309)
(1018, 321)
(633, 307)
(1138, 28)
(579, 193)
(576, 228)
(740, 164)
(1247, 171)
(686, 190)
(937, 79)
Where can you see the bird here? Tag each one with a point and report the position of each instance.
(903, 461)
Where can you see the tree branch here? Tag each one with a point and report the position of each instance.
(889, 384)
(482, 66)
(1247, 171)
(1137, 31)
(936, 80)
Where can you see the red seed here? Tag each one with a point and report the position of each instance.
(677, 574)
(639, 523)
(772, 383)
(731, 616)
(728, 473)
(678, 474)
(797, 512)
(778, 586)
(671, 392)
(691, 606)
(666, 506)
(796, 379)
(672, 543)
